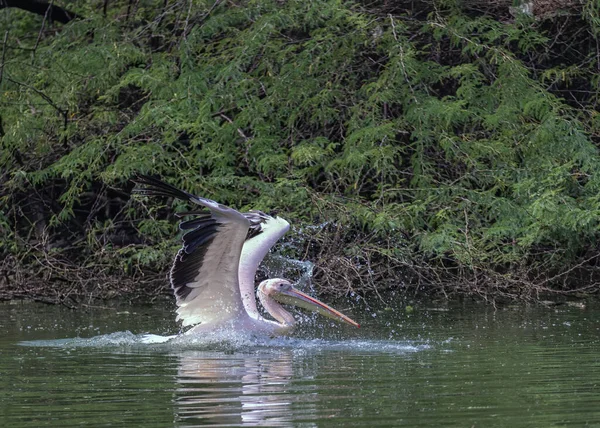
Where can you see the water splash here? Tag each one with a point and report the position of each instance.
(231, 341)
(298, 271)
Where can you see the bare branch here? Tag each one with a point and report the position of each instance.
(37, 42)
(63, 113)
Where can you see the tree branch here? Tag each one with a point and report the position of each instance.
(63, 113)
(55, 13)
(39, 37)
(3, 54)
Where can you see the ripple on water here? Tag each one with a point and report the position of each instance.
(230, 341)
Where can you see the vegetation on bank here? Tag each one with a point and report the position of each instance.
(418, 146)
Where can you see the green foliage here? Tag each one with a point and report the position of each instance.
(454, 137)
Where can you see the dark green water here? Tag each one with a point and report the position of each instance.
(464, 366)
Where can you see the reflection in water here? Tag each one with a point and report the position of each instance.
(471, 366)
(248, 390)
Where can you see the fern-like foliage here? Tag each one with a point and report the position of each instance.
(456, 140)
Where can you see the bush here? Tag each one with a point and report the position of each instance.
(453, 150)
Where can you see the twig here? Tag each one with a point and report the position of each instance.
(187, 21)
(215, 4)
(503, 54)
(562, 274)
(598, 54)
(64, 113)
(393, 27)
(3, 54)
(201, 20)
(244, 136)
(39, 37)
(402, 60)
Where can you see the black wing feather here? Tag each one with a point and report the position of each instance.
(156, 187)
(186, 213)
(202, 230)
(196, 222)
(256, 219)
(182, 273)
(199, 237)
(190, 258)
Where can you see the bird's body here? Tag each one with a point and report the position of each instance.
(213, 273)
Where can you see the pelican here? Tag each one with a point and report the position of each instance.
(213, 273)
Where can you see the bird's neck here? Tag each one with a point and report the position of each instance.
(275, 309)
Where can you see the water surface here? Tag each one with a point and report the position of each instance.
(454, 365)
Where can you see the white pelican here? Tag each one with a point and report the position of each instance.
(213, 273)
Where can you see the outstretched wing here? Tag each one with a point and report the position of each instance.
(204, 275)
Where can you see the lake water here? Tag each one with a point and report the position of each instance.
(451, 365)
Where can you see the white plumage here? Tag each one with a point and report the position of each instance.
(213, 273)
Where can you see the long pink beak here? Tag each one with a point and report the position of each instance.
(296, 297)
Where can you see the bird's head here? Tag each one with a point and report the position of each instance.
(284, 292)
